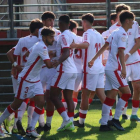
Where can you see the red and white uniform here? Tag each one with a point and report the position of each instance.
(78, 60)
(46, 75)
(93, 77)
(114, 27)
(66, 71)
(117, 40)
(29, 83)
(23, 45)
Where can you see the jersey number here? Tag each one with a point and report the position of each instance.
(24, 49)
(79, 54)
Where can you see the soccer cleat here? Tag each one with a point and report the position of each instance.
(109, 123)
(39, 129)
(20, 128)
(64, 125)
(1, 132)
(105, 128)
(71, 128)
(76, 123)
(76, 115)
(117, 124)
(32, 133)
(134, 118)
(47, 128)
(6, 124)
(14, 131)
(125, 117)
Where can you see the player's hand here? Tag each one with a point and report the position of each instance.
(123, 73)
(126, 57)
(19, 68)
(72, 45)
(90, 64)
(14, 71)
(55, 63)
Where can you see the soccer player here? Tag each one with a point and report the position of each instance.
(65, 76)
(18, 53)
(93, 78)
(115, 71)
(29, 84)
(46, 74)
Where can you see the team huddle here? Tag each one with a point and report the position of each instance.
(50, 63)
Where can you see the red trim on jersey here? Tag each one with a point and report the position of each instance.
(132, 63)
(119, 79)
(118, 25)
(121, 48)
(119, 66)
(19, 89)
(32, 82)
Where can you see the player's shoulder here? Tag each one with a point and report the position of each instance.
(57, 32)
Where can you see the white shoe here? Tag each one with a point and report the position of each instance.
(1, 132)
(64, 125)
(32, 133)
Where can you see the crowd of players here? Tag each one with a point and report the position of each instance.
(49, 63)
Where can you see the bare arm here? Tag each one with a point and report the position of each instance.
(90, 64)
(48, 63)
(79, 46)
(121, 57)
(10, 56)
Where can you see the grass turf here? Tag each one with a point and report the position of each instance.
(91, 130)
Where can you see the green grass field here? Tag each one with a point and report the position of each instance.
(91, 130)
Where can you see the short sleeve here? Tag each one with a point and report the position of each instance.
(108, 39)
(137, 31)
(43, 53)
(122, 41)
(86, 38)
(64, 41)
(18, 47)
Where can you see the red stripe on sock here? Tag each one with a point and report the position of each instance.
(26, 100)
(81, 115)
(42, 111)
(89, 101)
(16, 114)
(126, 104)
(135, 103)
(38, 110)
(109, 101)
(125, 97)
(75, 100)
(10, 110)
(110, 113)
(60, 110)
(63, 100)
(70, 114)
(49, 113)
(32, 103)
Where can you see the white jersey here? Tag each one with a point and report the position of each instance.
(118, 39)
(114, 27)
(105, 34)
(23, 45)
(95, 41)
(31, 71)
(65, 40)
(133, 34)
(78, 60)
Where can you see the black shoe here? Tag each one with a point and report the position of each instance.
(105, 128)
(20, 128)
(76, 115)
(109, 123)
(124, 117)
(117, 124)
(39, 129)
(47, 128)
(76, 123)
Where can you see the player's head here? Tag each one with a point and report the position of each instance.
(48, 35)
(87, 21)
(126, 18)
(48, 18)
(120, 7)
(73, 26)
(113, 18)
(34, 26)
(64, 22)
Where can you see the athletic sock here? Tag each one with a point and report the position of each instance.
(106, 107)
(30, 111)
(16, 119)
(120, 105)
(110, 115)
(63, 113)
(125, 108)
(6, 113)
(49, 115)
(82, 115)
(135, 106)
(71, 115)
(41, 119)
(89, 101)
(64, 103)
(35, 117)
(75, 102)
